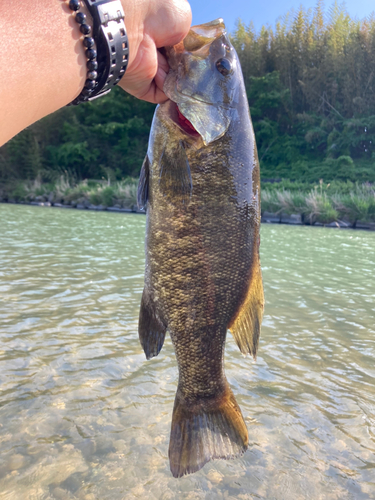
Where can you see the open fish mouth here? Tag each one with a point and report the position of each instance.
(180, 120)
(198, 119)
(185, 124)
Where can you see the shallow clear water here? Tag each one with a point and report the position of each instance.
(83, 415)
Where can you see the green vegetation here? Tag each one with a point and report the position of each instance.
(106, 139)
(325, 203)
(311, 87)
(121, 194)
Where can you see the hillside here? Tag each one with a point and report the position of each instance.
(311, 87)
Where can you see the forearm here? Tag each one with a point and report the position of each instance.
(43, 62)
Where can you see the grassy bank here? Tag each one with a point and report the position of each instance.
(121, 194)
(322, 203)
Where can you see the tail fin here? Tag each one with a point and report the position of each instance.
(203, 432)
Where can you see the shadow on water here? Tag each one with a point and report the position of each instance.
(83, 415)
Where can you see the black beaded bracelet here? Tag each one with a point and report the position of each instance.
(107, 46)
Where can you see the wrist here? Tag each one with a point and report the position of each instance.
(79, 49)
(107, 46)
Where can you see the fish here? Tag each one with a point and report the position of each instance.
(200, 184)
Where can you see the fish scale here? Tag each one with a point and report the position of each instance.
(202, 254)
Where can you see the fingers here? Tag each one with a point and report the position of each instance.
(168, 21)
(146, 79)
(152, 24)
(160, 77)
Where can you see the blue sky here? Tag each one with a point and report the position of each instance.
(264, 12)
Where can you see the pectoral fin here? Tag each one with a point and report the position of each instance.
(151, 327)
(142, 194)
(175, 177)
(245, 326)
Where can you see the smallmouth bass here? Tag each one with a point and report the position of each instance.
(200, 181)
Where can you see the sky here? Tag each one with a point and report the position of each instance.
(264, 12)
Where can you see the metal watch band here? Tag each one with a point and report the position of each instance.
(112, 43)
(107, 46)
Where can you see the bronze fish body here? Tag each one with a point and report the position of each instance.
(200, 180)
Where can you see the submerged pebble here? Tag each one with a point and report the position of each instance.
(71, 397)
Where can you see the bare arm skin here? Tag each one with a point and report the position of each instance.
(42, 60)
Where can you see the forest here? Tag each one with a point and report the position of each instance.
(310, 82)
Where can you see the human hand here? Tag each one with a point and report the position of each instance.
(48, 79)
(152, 24)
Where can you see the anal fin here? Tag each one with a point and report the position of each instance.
(151, 328)
(245, 326)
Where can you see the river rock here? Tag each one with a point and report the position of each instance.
(16, 462)
(214, 476)
(345, 223)
(137, 210)
(291, 219)
(333, 224)
(269, 217)
(119, 209)
(61, 494)
(365, 225)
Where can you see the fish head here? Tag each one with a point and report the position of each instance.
(204, 81)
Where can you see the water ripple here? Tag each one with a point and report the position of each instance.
(84, 415)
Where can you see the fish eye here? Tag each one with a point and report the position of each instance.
(224, 66)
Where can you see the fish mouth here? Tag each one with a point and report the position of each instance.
(181, 121)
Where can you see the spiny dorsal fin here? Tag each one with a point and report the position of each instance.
(245, 326)
(175, 176)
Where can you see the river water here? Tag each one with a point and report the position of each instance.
(83, 415)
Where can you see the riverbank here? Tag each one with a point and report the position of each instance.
(80, 206)
(267, 217)
(336, 204)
